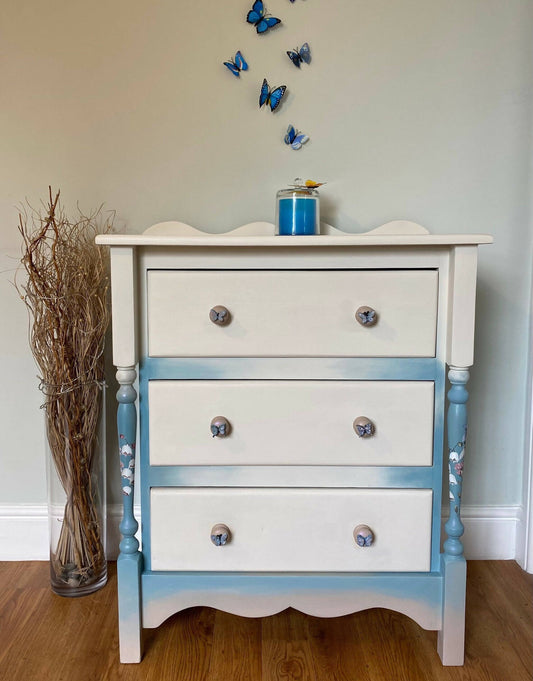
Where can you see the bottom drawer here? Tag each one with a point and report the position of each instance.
(291, 529)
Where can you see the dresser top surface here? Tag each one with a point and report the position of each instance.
(262, 234)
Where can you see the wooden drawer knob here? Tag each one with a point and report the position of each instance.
(220, 534)
(366, 316)
(364, 427)
(220, 315)
(363, 536)
(220, 426)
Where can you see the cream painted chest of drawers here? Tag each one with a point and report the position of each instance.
(292, 422)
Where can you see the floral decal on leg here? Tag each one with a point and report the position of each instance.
(455, 470)
(127, 465)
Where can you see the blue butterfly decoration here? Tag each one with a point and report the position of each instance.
(219, 539)
(215, 316)
(298, 56)
(218, 430)
(367, 429)
(256, 16)
(364, 541)
(237, 65)
(272, 97)
(367, 316)
(294, 138)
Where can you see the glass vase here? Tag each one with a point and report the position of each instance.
(75, 438)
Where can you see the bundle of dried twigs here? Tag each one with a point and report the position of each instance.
(66, 295)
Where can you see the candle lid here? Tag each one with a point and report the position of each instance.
(308, 184)
(301, 188)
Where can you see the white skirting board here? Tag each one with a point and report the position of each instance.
(24, 531)
(490, 531)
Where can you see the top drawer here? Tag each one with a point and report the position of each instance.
(292, 313)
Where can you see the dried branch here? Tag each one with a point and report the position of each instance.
(66, 295)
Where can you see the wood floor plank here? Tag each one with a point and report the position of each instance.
(395, 639)
(286, 651)
(236, 652)
(46, 637)
(181, 646)
(338, 649)
(499, 622)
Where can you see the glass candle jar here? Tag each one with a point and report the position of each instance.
(297, 211)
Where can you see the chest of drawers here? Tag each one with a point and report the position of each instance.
(292, 422)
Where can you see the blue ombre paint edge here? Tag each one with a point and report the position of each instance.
(291, 476)
(416, 590)
(427, 477)
(292, 368)
(413, 585)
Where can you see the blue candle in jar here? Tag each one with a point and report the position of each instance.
(297, 212)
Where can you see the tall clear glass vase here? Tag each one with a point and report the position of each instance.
(75, 437)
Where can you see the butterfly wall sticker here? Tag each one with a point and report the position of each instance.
(237, 65)
(262, 22)
(294, 138)
(298, 56)
(271, 97)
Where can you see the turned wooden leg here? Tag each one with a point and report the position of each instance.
(129, 564)
(453, 564)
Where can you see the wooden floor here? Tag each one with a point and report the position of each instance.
(47, 638)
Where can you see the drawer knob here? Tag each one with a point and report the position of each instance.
(364, 427)
(363, 536)
(220, 534)
(220, 315)
(220, 426)
(366, 316)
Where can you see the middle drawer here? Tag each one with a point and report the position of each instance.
(291, 422)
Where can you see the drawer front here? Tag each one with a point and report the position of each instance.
(292, 313)
(291, 422)
(290, 530)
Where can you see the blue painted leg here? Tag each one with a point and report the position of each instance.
(451, 636)
(129, 565)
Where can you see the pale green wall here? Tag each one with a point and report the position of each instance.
(416, 109)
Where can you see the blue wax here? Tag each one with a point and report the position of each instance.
(297, 215)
